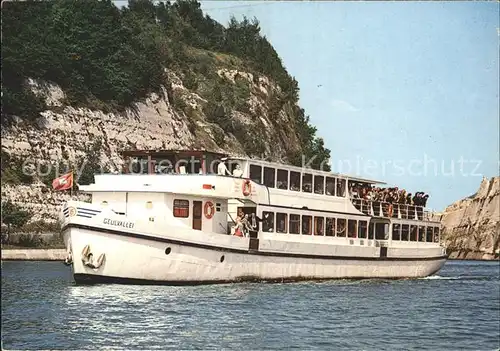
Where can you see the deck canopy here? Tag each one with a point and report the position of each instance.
(351, 179)
(170, 161)
(205, 162)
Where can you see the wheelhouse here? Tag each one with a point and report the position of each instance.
(170, 161)
(273, 176)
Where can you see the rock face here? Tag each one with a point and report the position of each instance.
(66, 133)
(472, 225)
(39, 200)
(83, 81)
(34, 255)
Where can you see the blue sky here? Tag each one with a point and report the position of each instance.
(405, 92)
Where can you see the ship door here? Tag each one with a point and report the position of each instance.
(197, 215)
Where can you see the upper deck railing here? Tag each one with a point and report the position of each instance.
(392, 210)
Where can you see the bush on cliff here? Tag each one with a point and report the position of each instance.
(13, 216)
(95, 50)
(13, 172)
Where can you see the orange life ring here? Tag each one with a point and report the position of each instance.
(209, 209)
(246, 188)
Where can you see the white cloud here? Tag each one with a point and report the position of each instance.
(343, 106)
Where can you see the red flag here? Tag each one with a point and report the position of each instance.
(63, 182)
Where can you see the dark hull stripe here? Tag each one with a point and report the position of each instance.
(84, 215)
(88, 209)
(90, 213)
(89, 279)
(249, 252)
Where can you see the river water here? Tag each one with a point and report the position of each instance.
(456, 310)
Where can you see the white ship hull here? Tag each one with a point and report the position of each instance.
(190, 257)
(174, 228)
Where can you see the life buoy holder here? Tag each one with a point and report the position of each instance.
(209, 209)
(246, 188)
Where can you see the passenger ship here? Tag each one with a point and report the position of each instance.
(175, 225)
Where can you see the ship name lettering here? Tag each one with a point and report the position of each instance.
(117, 223)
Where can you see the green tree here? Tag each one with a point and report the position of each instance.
(12, 170)
(91, 165)
(13, 215)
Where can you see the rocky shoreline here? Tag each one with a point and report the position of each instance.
(33, 254)
(473, 256)
(471, 226)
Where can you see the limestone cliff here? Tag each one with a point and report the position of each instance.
(84, 80)
(472, 225)
(65, 133)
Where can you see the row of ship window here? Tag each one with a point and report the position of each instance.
(297, 181)
(285, 223)
(312, 225)
(406, 232)
(328, 226)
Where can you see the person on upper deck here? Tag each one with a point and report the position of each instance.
(390, 195)
(420, 199)
(221, 168)
(416, 199)
(307, 187)
(330, 188)
(402, 196)
(409, 199)
(237, 172)
(424, 200)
